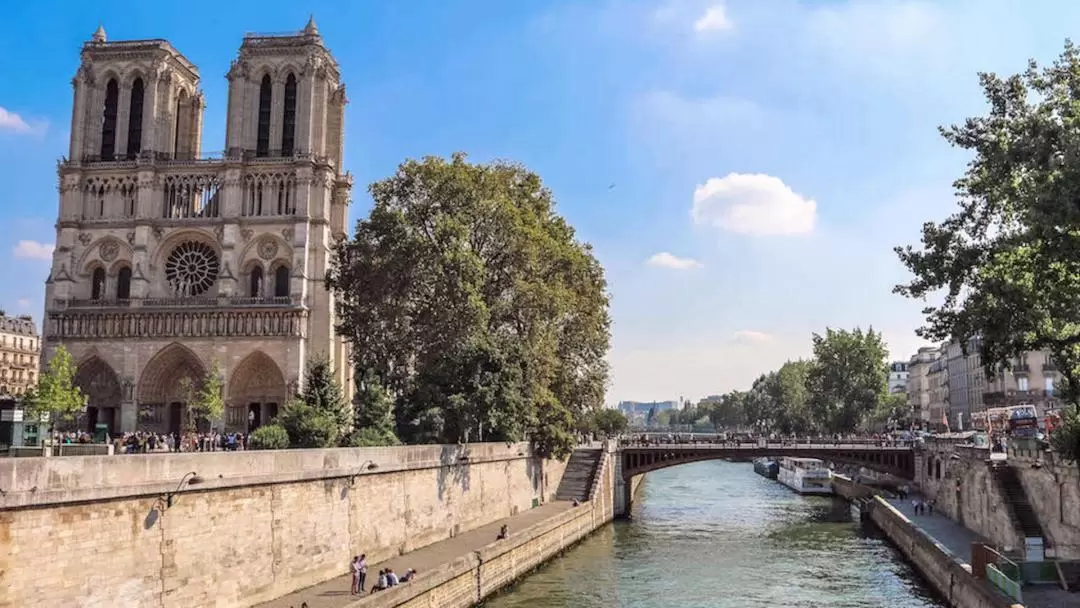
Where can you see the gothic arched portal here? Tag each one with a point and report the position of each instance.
(99, 382)
(256, 390)
(164, 388)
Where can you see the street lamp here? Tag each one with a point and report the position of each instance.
(190, 479)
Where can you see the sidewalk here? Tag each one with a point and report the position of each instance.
(335, 592)
(958, 539)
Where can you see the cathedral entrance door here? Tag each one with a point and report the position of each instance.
(91, 419)
(107, 416)
(176, 418)
(254, 416)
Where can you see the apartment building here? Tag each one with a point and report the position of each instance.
(918, 385)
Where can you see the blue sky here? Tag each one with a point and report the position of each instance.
(766, 154)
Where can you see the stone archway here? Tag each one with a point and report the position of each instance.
(99, 382)
(162, 388)
(257, 389)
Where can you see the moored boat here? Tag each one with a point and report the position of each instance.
(805, 475)
(767, 468)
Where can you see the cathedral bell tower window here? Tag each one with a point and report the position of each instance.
(108, 124)
(281, 282)
(123, 284)
(134, 135)
(288, 125)
(97, 284)
(262, 142)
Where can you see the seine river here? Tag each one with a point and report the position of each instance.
(714, 535)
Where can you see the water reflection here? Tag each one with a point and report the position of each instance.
(714, 534)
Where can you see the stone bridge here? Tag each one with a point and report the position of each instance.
(636, 460)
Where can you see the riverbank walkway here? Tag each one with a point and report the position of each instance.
(957, 539)
(335, 593)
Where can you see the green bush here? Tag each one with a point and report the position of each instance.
(370, 438)
(1066, 438)
(269, 437)
(307, 426)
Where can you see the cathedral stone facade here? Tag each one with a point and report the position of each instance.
(169, 261)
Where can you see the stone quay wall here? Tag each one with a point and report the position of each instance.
(958, 477)
(469, 579)
(936, 563)
(99, 531)
(959, 480)
(1053, 489)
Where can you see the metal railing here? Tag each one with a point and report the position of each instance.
(1004, 573)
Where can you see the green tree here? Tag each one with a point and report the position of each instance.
(728, 412)
(1008, 261)
(322, 392)
(269, 437)
(307, 426)
(475, 304)
(374, 413)
(56, 393)
(848, 377)
(203, 397)
(790, 398)
(610, 422)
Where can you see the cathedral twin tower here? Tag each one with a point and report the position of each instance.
(167, 261)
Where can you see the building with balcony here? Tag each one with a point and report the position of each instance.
(937, 379)
(20, 347)
(1029, 380)
(918, 384)
(167, 260)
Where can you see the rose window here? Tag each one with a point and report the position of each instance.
(191, 269)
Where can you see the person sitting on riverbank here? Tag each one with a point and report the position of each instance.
(381, 583)
(409, 575)
(503, 532)
(391, 578)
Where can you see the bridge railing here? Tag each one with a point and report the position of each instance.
(766, 445)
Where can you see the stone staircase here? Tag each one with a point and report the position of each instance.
(1016, 500)
(578, 478)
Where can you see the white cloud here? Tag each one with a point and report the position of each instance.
(753, 204)
(33, 250)
(715, 19)
(668, 260)
(10, 121)
(749, 336)
(23, 303)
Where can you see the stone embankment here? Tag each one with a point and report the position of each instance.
(133, 530)
(935, 562)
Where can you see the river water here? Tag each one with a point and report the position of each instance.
(716, 535)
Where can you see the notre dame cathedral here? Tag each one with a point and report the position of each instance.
(169, 260)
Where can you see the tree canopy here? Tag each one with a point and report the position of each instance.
(842, 388)
(1008, 261)
(56, 393)
(475, 305)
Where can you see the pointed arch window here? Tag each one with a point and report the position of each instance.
(123, 284)
(288, 125)
(97, 284)
(134, 134)
(255, 282)
(108, 124)
(262, 142)
(281, 282)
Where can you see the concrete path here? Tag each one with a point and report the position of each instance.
(335, 593)
(958, 539)
(955, 537)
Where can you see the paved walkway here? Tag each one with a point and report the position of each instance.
(958, 539)
(335, 592)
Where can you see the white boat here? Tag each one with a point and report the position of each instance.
(805, 475)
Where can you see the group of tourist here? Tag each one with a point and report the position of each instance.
(387, 577)
(143, 442)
